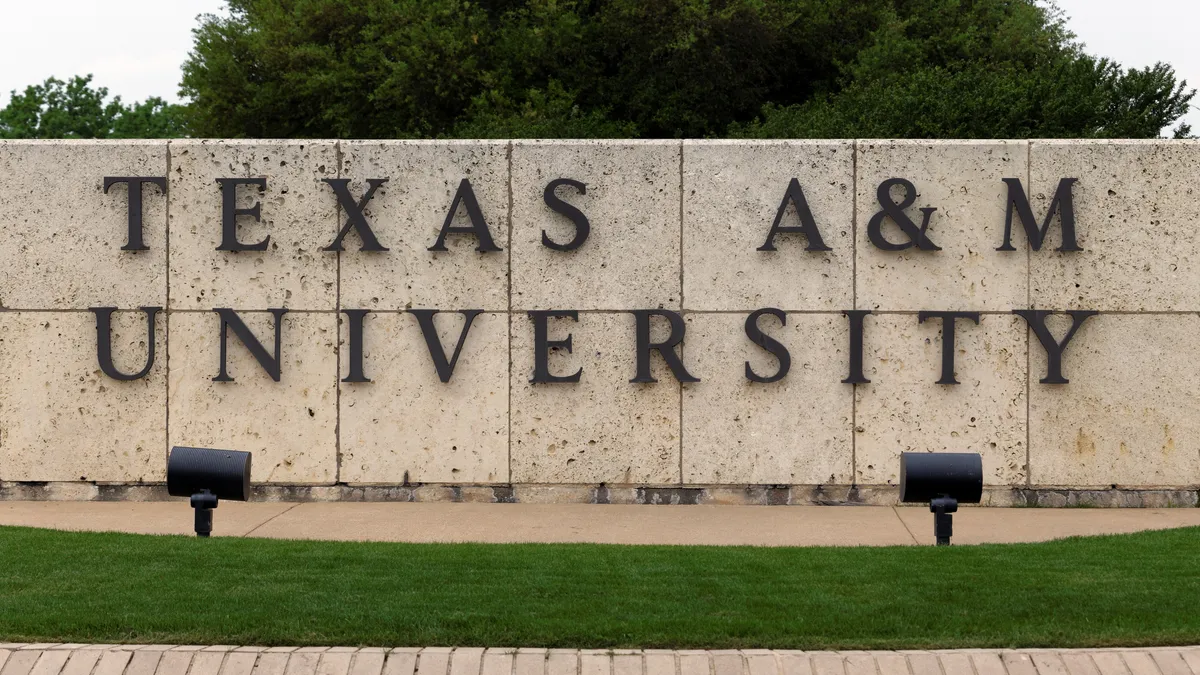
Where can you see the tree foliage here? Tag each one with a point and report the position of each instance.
(668, 68)
(74, 109)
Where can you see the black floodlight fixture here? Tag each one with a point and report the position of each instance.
(207, 475)
(944, 479)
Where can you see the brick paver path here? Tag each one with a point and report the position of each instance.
(77, 659)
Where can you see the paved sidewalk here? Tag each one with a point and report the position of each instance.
(609, 523)
(74, 659)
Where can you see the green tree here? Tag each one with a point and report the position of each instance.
(74, 109)
(668, 68)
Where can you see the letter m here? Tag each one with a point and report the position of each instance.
(1061, 204)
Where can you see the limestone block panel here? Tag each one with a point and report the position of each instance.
(62, 418)
(406, 425)
(603, 428)
(963, 181)
(298, 213)
(62, 235)
(407, 214)
(1136, 208)
(794, 431)
(732, 191)
(631, 257)
(289, 425)
(904, 410)
(1127, 417)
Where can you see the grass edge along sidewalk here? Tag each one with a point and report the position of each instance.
(69, 659)
(1123, 590)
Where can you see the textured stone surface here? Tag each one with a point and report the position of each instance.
(733, 190)
(794, 431)
(631, 257)
(962, 180)
(1128, 415)
(406, 425)
(903, 410)
(1136, 208)
(289, 425)
(1118, 435)
(61, 418)
(560, 435)
(298, 213)
(407, 214)
(67, 234)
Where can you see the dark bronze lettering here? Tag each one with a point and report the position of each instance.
(1036, 318)
(104, 342)
(1062, 204)
(354, 214)
(133, 185)
(542, 346)
(478, 227)
(857, 317)
(582, 227)
(269, 363)
(230, 213)
(445, 368)
(895, 210)
(769, 344)
(355, 324)
(666, 349)
(948, 319)
(807, 226)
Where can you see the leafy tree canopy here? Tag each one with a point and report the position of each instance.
(57, 109)
(667, 68)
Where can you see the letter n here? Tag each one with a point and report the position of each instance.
(269, 363)
(1062, 204)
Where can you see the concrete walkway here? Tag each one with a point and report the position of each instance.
(42, 659)
(611, 523)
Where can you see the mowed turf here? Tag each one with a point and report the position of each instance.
(1140, 589)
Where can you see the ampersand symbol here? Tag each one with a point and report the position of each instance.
(895, 211)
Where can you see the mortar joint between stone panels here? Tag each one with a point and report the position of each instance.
(854, 301)
(682, 346)
(337, 335)
(167, 307)
(1029, 305)
(509, 275)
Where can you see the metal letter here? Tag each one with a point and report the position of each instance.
(807, 227)
(104, 342)
(1036, 318)
(1020, 203)
(948, 320)
(582, 227)
(856, 317)
(665, 349)
(134, 199)
(478, 226)
(354, 214)
(445, 368)
(230, 319)
(230, 213)
(768, 343)
(355, 325)
(542, 346)
(916, 235)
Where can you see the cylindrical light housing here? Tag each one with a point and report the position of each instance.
(225, 473)
(927, 475)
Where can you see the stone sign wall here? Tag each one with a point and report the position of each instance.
(669, 225)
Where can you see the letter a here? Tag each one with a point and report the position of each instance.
(807, 227)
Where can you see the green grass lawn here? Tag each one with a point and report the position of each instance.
(1140, 589)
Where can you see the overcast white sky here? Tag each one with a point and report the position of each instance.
(135, 47)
